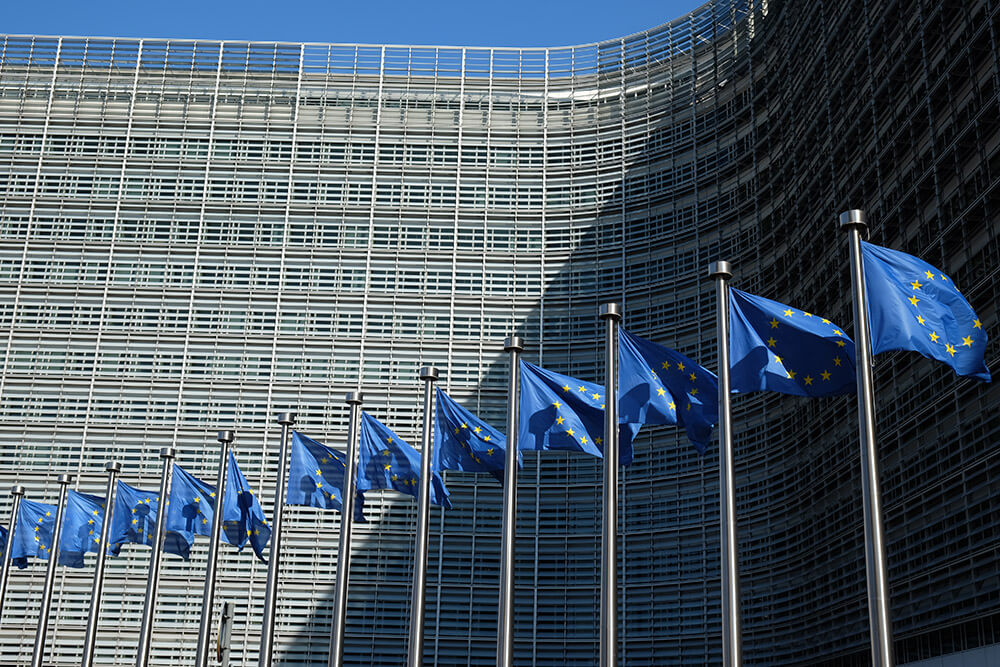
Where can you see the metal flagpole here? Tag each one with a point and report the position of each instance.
(225, 438)
(286, 419)
(612, 315)
(50, 574)
(153, 578)
(18, 492)
(505, 626)
(112, 468)
(732, 646)
(429, 375)
(346, 522)
(878, 580)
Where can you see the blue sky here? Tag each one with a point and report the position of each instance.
(441, 22)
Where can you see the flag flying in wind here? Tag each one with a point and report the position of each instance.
(657, 385)
(242, 516)
(774, 347)
(81, 530)
(386, 461)
(914, 306)
(462, 441)
(33, 532)
(560, 412)
(316, 477)
(134, 522)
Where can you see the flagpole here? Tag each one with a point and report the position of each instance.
(112, 468)
(153, 578)
(50, 575)
(732, 648)
(18, 492)
(612, 315)
(346, 522)
(880, 623)
(286, 419)
(513, 345)
(429, 375)
(225, 439)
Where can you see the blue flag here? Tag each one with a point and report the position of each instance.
(33, 532)
(243, 518)
(134, 522)
(81, 529)
(386, 461)
(914, 306)
(560, 412)
(462, 441)
(316, 477)
(657, 385)
(774, 347)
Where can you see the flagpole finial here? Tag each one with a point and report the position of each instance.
(286, 418)
(65, 479)
(610, 311)
(113, 466)
(429, 373)
(721, 269)
(226, 436)
(167, 453)
(512, 343)
(17, 490)
(353, 398)
(854, 218)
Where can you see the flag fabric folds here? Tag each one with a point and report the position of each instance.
(81, 529)
(562, 413)
(386, 461)
(242, 516)
(657, 385)
(914, 306)
(33, 532)
(462, 441)
(133, 521)
(316, 477)
(774, 347)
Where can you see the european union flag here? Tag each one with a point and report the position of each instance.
(774, 347)
(560, 412)
(462, 441)
(192, 506)
(33, 532)
(81, 529)
(914, 306)
(133, 521)
(316, 477)
(386, 461)
(657, 385)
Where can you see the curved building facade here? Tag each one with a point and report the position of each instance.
(198, 235)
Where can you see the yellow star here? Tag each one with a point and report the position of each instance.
(673, 406)
(666, 365)
(596, 397)
(489, 452)
(950, 349)
(661, 391)
(807, 314)
(135, 522)
(791, 373)
(788, 313)
(557, 404)
(478, 429)
(825, 321)
(774, 323)
(826, 375)
(582, 388)
(934, 336)
(486, 439)
(583, 441)
(920, 319)
(566, 387)
(212, 494)
(680, 365)
(841, 343)
(457, 430)
(694, 392)
(324, 460)
(560, 420)
(318, 471)
(570, 432)
(319, 485)
(387, 466)
(599, 441)
(395, 478)
(916, 284)
(838, 332)
(197, 499)
(777, 358)
(693, 377)
(914, 300)
(943, 277)
(204, 521)
(464, 425)
(389, 439)
(930, 276)
(771, 342)
(808, 379)
(977, 324)
(967, 341)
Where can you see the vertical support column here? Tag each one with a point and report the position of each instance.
(612, 315)
(346, 522)
(112, 468)
(429, 375)
(153, 578)
(505, 625)
(17, 492)
(50, 575)
(286, 419)
(225, 439)
(732, 646)
(880, 623)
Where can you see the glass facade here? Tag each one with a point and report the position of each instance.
(198, 235)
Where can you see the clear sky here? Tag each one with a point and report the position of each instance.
(440, 22)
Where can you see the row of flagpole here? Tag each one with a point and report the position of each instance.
(720, 272)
